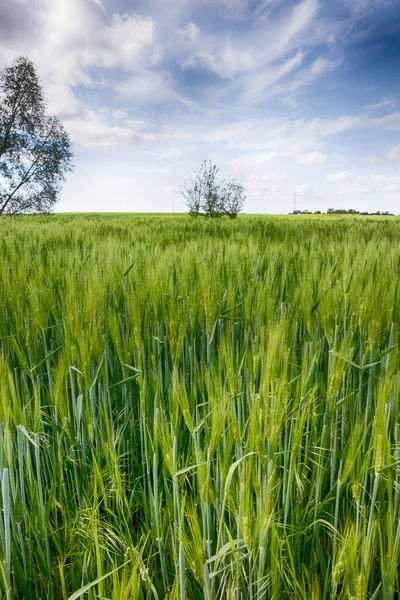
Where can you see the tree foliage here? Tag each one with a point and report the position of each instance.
(206, 194)
(233, 195)
(35, 150)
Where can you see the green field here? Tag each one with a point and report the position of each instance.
(194, 409)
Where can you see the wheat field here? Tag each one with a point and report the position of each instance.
(194, 409)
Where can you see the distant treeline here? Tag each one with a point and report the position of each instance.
(343, 211)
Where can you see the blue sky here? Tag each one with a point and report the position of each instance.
(287, 96)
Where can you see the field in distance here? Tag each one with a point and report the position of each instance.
(242, 216)
(199, 409)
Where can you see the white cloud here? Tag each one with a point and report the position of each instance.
(256, 85)
(384, 103)
(82, 35)
(390, 122)
(99, 3)
(72, 36)
(264, 177)
(172, 189)
(256, 50)
(262, 187)
(92, 130)
(264, 139)
(341, 176)
(351, 183)
(338, 125)
(61, 100)
(311, 158)
(226, 63)
(302, 15)
(121, 113)
(372, 160)
(146, 87)
(306, 191)
(304, 77)
(319, 66)
(361, 8)
(152, 87)
(189, 33)
(394, 153)
(263, 10)
(127, 41)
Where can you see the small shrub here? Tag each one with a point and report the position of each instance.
(208, 195)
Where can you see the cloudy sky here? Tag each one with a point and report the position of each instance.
(284, 95)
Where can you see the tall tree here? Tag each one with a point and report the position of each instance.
(35, 150)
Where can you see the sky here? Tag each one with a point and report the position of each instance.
(286, 96)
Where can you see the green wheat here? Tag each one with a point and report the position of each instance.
(196, 409)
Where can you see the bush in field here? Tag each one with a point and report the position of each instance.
(233, 198)
(206, 194)
(35, 151)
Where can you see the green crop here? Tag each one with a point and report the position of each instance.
(195, 409)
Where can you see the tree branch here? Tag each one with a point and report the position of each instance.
(27, 176)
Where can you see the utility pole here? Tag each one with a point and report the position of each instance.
(294, 202)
